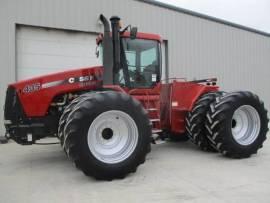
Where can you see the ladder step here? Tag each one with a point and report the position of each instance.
(156, 131)
(151, 109)
(155, 120)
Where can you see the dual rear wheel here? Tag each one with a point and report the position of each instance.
(195, 121)
(234, 124)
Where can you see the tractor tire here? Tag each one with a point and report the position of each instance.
(237, 124)
(67, 110)
(108, 135)
(195, 121)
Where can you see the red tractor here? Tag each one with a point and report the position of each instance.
(107, 116)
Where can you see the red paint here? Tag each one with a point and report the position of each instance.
(142, 35)
(185, 94)
(160, 97)
(36, 104)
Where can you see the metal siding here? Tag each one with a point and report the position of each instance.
(43, 51)
(197, 47)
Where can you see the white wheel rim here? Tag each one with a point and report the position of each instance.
(245, 125)
(112, 136)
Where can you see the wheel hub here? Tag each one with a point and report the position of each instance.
(112, 136)
(107, 133)
(245, 125)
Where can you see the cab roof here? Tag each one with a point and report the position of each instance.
(142, 35)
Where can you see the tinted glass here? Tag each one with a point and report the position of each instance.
(143, 62)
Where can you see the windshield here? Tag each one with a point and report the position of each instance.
(142, 61)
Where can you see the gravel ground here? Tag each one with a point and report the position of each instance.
(173, 172)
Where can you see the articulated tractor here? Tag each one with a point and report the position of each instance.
(106, 117)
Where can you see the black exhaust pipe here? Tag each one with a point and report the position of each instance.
(116, 44)
(106, 25)
(107, 52)
(111, 49)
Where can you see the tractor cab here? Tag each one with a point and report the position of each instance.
(130, 59)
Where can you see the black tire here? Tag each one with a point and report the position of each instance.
(220, 124)
(76, 134)
(67, 110)
(195, 121)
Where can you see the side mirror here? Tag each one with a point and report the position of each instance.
(133, 32)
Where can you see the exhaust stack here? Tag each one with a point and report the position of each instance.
(115, 20)
(107, 52)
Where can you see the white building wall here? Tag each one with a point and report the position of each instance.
(198, 47)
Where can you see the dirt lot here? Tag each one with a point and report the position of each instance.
(173, 172)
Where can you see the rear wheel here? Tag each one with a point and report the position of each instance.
(195, 121)
(237, 124)
(108, 135)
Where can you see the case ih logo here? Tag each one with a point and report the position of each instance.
(32, 88)
(82, 79)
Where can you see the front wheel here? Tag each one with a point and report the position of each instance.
(67, 110)
(108, 135)
(237, 124)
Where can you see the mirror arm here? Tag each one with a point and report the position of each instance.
(125, 29)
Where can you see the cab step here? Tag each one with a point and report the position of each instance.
(154, 131)
(155, 120)
(151, 109)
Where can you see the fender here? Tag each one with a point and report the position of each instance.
(183, 96)
(36, 94)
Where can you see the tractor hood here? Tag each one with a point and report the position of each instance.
(40, 91)
(74, 76)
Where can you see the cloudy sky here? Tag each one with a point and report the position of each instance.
(250, 13)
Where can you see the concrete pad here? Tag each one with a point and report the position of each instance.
(173, 172)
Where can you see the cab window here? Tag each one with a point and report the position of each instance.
(143, 62)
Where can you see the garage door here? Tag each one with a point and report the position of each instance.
(41, 51)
